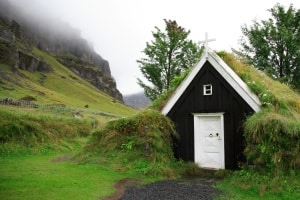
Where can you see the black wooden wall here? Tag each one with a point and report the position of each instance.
(224, 99)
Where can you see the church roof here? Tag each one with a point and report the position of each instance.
(225, 71)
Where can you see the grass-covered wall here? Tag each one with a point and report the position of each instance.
(273, 134)
(142, 143)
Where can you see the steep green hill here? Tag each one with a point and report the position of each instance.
(60, 86)
(53, 65)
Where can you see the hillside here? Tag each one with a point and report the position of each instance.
(22, 30)
(33, 66)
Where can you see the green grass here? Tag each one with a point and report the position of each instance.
(61, 86)
(29, 173)
(272, 135)
(37, 132)
(30, 140)
(38, 177)
(248, 184)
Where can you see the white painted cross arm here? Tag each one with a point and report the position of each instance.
(205, 42)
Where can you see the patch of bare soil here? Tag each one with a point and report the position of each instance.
(63, 158)
(121, 186)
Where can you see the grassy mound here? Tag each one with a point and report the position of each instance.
(273, 134)
(22, 132)
(142, 143)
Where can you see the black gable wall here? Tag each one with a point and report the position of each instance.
(224, 99)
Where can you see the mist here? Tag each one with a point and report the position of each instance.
(118, 30)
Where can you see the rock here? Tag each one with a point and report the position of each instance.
(92, 74)
(8, 51)
(32, 64)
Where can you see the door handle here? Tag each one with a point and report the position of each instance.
(219, 137)
(211, 135)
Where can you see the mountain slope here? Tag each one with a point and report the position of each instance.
(138, 100)
(22, 30)
(48, 76)
(61, 86)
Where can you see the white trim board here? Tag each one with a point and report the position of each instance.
(228, 74)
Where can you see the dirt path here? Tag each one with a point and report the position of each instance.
(201, 189)
(120, 187)
(185, 188)
(62, 158)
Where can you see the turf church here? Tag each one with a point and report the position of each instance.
(208, 109)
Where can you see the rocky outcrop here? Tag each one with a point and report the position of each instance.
(32, 64)
(13, 56)
(92, 74)
(52, 36)
(8, 50)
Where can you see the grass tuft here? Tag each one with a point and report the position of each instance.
(22, 132)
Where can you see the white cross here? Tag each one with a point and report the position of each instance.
(205, 42)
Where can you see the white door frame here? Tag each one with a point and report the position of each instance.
(197, 138)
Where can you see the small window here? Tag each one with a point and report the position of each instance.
(207, 89)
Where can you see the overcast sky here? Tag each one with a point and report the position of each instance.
(119, 29)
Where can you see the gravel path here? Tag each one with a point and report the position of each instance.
(189, 189)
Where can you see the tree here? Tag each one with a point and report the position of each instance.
(274, 44)
(167, 56)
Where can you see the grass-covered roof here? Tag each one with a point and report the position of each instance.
(273, 134)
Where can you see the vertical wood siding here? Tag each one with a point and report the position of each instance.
(224, 99)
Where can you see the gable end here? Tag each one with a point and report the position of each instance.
(228, 74)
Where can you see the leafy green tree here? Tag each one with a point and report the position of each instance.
(273, 45)
(167, 56)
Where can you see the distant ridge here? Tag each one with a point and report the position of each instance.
(137, 100)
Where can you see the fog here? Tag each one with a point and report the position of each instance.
(40, 19)
(119, 29)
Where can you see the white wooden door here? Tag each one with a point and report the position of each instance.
(209, 140)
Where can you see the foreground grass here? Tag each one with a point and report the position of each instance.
(38, 177)
(30, 140)
(247, 184)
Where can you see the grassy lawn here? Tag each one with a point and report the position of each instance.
(250, 185)
(38, 177)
